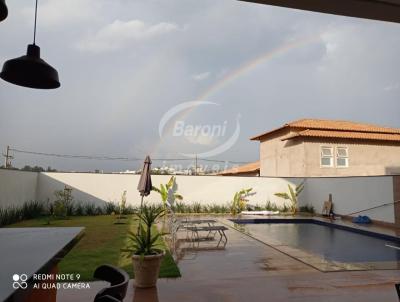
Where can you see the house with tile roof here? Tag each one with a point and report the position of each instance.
(314, 147)
(250, 169)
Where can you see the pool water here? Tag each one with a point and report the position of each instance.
(329, 242)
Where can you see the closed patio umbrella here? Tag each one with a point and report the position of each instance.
(145, 185)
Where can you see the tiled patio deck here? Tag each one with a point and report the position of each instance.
(248, 270)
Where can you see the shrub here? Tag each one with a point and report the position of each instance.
(224, 209)
(130, 210)
(32, 209)
(10, 215)
(217, 209)
(89, 209)
(179, 207)
(196, 208)
(56, 209)
(28, 210)
(257, 207)
(79, 209)
(110, 208)
(307, 209)
(99, 210)
(269, 206)
(70, 209)
(285, 208)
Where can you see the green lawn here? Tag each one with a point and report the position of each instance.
(101, 244)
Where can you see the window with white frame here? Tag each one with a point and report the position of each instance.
(342, 157)
(326, 156)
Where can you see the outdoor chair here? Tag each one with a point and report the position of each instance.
(195, 222)
(217, 229)
(107, 298)
(193, 229)
(118, 280)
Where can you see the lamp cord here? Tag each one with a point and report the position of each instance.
(34, 28)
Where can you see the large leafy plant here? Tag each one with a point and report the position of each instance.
(292, 195)
(144, 242)
(240, 200)
(168, 192)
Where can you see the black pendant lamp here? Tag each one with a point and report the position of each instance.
(30, 70)
(3, 10)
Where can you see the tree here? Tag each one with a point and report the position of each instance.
(122, 204)
(27, 168)
(63, 203)
(32, 169)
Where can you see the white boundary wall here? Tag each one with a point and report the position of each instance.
(203, 189)
(350, 194)
(17, 187)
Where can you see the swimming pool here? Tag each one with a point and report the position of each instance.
(318, 242)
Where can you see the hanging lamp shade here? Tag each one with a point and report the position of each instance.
(3, 10)
(30, 71)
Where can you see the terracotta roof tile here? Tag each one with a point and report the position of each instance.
(345, 134)
(342, 125)
(247, 168)
(334, 125)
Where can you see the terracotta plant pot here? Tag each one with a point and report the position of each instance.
(146, 269)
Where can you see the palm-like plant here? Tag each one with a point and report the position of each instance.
(144, 242)
(292, 195)
(168, 192)
(240, 200)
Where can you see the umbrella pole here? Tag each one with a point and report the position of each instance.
(140, 212)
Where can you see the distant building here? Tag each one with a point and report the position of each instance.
(251, 169)
(312, 147)
(127, 172)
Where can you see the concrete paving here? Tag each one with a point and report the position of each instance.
(248, 270)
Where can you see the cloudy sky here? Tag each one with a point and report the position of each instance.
(125, 64)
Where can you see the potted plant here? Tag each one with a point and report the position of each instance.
(144, 245)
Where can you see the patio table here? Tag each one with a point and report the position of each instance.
(29, 251)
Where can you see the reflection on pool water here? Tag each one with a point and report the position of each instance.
(328, 242)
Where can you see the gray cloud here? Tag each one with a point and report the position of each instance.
(137, 59)
(119, 34)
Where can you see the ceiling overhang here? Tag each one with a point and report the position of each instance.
(383, 10)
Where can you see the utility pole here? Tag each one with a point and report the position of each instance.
(195, 166)
(7, 158)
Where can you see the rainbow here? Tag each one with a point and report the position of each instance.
(242, 70)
